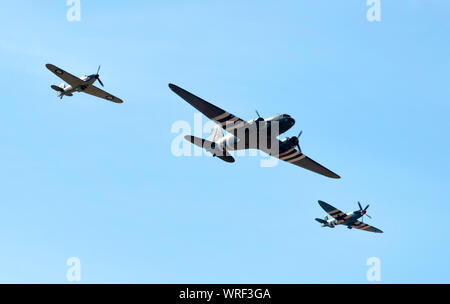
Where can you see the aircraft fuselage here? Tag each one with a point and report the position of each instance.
(348, 220)
(88, 81)
(256, 134)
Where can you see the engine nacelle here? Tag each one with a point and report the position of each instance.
(257, 122)
(62, 86)
(288, 142)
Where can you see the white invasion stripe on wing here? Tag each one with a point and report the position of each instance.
(233, 126)
(221, 116)
(298, 158)
(228, 122)
(283, 153)
(295, 154)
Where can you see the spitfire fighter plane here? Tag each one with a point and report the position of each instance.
(84, 84)
(348, 219)
(241, 133)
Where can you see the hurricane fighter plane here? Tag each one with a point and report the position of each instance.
(241, 132)
(348, 219)
(84, 84)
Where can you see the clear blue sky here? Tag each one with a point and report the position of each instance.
(96, 180)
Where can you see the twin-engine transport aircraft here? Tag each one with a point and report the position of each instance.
(348, 219)
(246, 135)
(84, 84)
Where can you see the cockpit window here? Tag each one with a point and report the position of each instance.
(286, 116)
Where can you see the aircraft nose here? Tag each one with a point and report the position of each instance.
(291, 121)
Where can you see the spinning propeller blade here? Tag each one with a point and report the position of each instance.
(363, 212)
(298, 141)
(97, 76)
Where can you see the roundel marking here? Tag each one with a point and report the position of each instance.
(59, 72)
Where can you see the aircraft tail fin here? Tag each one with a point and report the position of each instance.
(324, 222)
(211, 147)
(60, 91)
(216, 133)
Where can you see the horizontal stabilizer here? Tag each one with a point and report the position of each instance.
(210, 147)
(321, 221)
(56, 88)
(197, 141)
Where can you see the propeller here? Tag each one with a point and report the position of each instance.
(363, 211)
(97, 76)
(297, 141)
(260, 119)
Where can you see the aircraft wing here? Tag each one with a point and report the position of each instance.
(214, 113)
(364, 226)
(67, 77)
(299, 159)
(337, 214)
(93, 90)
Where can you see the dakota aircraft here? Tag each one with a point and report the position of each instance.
(246, 135)
(348, 219)
(84, 84)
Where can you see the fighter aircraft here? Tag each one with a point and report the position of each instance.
(245, 135)
(84, 84)
(348, 219)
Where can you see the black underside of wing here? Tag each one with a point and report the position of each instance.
(314, 166)
(208, 109)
